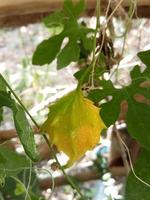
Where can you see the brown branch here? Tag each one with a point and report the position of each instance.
(7, 134)
(88, 174)
(123, 152)
(17, 13)
(82, 176)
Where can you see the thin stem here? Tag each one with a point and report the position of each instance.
(94, 43)
(74, 186)
(20, 102)
(115, 9)
(29, 181)
(123, 152)
(92, 66)
(83, 77)
(131, 164)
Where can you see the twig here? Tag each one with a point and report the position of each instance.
(123, 152)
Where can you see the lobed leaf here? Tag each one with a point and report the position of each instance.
(11, 163)
(55, 19)
(78, 35)
(135, 189)
(138, 113)
(144, 56)
(72, 10)
(47, 50)
(69, 54)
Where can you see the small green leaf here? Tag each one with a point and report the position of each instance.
(73, 10)
(12, 163)
(145, 57)
(69, 54)
(111, 108)
(86, 40)
(47, 50)
(19, 189)
(97, 73)
(106, 107)
(5, 99)
(2, 85)
(135, 189)
(80, 73)
(15, 185)
(22, 125)
(79, 7)
(55, 19)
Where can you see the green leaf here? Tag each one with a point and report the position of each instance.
(110, 109)
(22, 125)
(138, 122)
(47, 50)
(55, 19)
(2, 85)
(5, 99)
(73, 10)
(1, 115)
(106, 107)
(138, 113)
(80, 73)
(145, 57)
(79, 8)
(68, 8)
(16, 191)
(78, 35)
(134, 188)
(19, 189)
(69, 54)
(12, 163)
(97, 73)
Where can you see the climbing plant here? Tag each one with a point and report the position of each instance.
(75, 121)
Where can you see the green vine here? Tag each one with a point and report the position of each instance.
(74, 186)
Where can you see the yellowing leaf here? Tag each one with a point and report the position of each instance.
(74, 125)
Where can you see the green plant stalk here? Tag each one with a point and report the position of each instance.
(83, 77)
(74, 186)
(94, 42)
(19, 101)
(93, 62)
